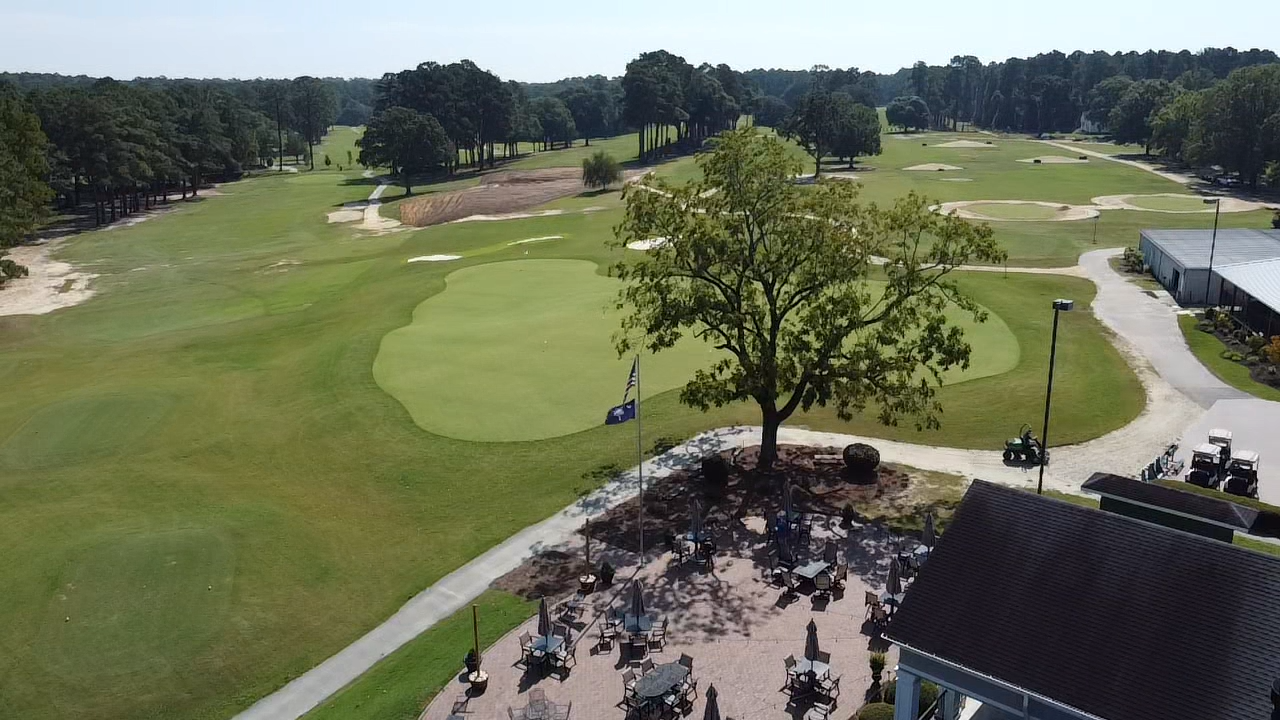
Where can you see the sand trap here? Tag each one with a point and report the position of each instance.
(956, 179)
(650, 244)
(933, 167)
(1229, 204)
(904, 136)
(508, 216)
(434, 258)
(1053, 160)
(593, 209)
(537, 239)
(1061, 212)
(971, 144)
(51, 285)
(346, 215)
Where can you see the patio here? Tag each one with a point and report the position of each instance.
(736, 624)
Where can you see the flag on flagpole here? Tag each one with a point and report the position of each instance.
(633, 378)
(621, 413)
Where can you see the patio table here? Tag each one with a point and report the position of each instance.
(547, 643)
(811, 570)
(805, 667)
(892, 600)
(660, 680)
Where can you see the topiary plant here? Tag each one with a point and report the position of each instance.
(877, 663)
(861, 458)
(606, 574)
(876, 711)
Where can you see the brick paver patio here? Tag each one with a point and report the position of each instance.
(732, 622)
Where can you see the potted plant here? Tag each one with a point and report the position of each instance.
(606, 574)
(471, 662)
(479, 679)
(877, 667)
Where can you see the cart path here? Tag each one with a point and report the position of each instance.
(1121, 305)
(1179, 178)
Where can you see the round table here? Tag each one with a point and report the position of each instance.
(660, 680)
(815, 668)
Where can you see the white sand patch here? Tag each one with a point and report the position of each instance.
(366, 174)
(373, 221)
(960, 208)
(51, 285)
(281, 266)
(904, 136)
(1229, 204)
(1053, 160)
(933, 167)
(537, 239)
(955, 179)
(593, 209)
(508, 216)
(434, 258)
(346, 215)
(650, 244)
(971, 144)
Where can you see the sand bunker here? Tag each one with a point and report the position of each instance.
(434, 258)
(650, 244)
(933, 167)
(972, 144)
(537, 239)
(972, 210)
(1229, 204)
(956, 179)
(1053, 160)
(353, 212)
(51, 285)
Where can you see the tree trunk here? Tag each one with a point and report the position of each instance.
(768, 438)
(311, 153)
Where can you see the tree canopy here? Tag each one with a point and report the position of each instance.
(601, 170)
(406, 141)
(908, 113)
(24, 196)
(784, 281)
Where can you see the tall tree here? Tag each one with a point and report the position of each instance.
(814, 124)
(1240, 124)
(857, 130)
(781, 280)
(408, 142)
(314, 109)
(771, 111)
(555, 120)
(24, 195)
(1130, 120)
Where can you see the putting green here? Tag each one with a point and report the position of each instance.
(1174, 203)
(1007, 211)
(81, 429)
(522, 350)
(137, 604)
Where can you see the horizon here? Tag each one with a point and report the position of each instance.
(292, 39)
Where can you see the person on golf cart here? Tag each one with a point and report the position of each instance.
(1028, 439)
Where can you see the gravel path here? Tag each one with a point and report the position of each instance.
(1175, 177)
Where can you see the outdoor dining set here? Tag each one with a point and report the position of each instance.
(540, 708)
(552, 650)
(697, 545)
(659, 691)
(902, 568)
(810, 680)
(634, 628)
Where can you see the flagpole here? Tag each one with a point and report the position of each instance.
(639, 459)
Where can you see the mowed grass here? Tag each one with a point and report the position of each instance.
(1208, 350)
(226, 496)
(1188, 203)
(1004, 211)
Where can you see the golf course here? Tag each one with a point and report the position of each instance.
(265, 431)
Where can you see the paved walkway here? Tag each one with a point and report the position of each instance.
(1179, 178)
(1146, 331)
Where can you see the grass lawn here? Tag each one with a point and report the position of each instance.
(205, 491)
(1014, 212)
(1208, 350)
(400, 685)
(1189, 203)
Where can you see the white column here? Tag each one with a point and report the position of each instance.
(906, 704)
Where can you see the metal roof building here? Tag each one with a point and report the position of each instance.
(1179, 259)
(1252, 292)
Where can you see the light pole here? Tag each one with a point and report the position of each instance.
(1213, 244)
(1059, 306)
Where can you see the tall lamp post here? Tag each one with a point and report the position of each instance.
(1213, 244)
(1059, 306)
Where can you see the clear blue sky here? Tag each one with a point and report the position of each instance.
(548, 39)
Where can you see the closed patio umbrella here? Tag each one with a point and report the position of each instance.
(894, 584)
(811, 641)
(929, 537)
(786, 500)
(713, 705)
(830, 553)
(784, 549)
(637, 599)
(544, 619)
(695, 520)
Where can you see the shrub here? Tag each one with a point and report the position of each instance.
(1256, 343)
(1232, 355)
(929, 693)
(600, 170)
(877, 663)
(1275, 221)
(876, 711)
(10, 269)
(606, 574)
(1272, 350)
(1131, 260)
(715, 470)
(861, 458)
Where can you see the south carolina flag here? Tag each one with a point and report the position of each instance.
(627, 410)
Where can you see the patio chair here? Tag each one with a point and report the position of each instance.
(686, 661)
(689, 690)
(561, 712)
(646, 665)
(879, 618)
(537, 695)
(830, 687)
(841, 574)
(789, 586)
(632, 703)
(820, 711)
(658, 636)
(822, 585)
(790, 663)
(608, 633)
(824, 657)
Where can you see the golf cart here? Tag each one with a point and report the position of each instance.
(1207, 466)
(1221, 438)
(1025, 449)
(1242, 474)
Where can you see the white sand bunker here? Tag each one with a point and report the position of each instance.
(971, 144)
(537, 239)
(1054, 160)
(434, 258)
(972, 210)
(508, 216)
(350, 213)
(650, 244)
(51, 285)
(954, 179)
(1229, 204)
(933, 167)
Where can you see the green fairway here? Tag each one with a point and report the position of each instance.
(1185, 203)
(200, 469)
(1006, 211)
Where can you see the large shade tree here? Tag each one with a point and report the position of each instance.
(813, 298)
(407, 141)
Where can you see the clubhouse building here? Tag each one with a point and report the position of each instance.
(1240, 272)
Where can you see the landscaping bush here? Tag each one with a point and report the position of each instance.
(1272, 350)
(877, 663)
(1256, 343)
(928, 693)
(1131, 260)
(1275, 221)
(876, 711)
(1232, 355)
(715, 470)
(861, 458)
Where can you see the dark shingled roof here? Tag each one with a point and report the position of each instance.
(1118, 618)
(1209, 509)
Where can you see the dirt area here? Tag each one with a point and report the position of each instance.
(499, 193)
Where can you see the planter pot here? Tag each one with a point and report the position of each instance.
(587, 583)
(479, 682)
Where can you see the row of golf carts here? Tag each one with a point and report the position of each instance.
(1215, 465)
